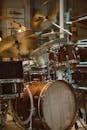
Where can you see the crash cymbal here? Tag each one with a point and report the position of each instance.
(18, 26)
(24, 34)
(28, 44)
(39, 22)
(44, 46)
(17, 46)
(42, 21)
(6, 43)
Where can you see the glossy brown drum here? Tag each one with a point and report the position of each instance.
(66, 55)
(54, 104)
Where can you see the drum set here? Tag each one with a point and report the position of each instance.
(47, 90)
(40, 88)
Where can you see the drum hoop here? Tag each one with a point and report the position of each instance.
(40, 96)
(31, 112)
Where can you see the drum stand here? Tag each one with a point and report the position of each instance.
(3, 112)
(30, 126)
(68, 70)
(85, 128)
(48, 72)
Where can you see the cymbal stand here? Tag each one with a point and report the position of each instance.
(29, 69)
(48, 69)
(82, 124)
(30, 125)
(68, 69)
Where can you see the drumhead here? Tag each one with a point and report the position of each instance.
(59, 106)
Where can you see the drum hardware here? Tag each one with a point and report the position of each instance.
(48, 72)
(3, 112)
(59, 27)
(59, 75)
(10, 90)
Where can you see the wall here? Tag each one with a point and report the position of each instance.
(19, 4)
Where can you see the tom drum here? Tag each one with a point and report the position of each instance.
(67, 56)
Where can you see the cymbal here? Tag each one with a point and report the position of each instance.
(44, 46)
(20, 45)
(18, 26)
(39, 22)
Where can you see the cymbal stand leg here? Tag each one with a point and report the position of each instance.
(48, 72)
(29, 69)
(68, 70)
(82, 123)
(30, 126)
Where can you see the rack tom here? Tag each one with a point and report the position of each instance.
(67, 56)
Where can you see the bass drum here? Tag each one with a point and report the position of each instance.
(54, 105)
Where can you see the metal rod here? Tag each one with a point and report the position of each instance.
(62, 28)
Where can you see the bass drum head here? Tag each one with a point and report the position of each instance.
(22, 107)
(59, 106)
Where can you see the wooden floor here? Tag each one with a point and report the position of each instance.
(10, 125)
(13, 126)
